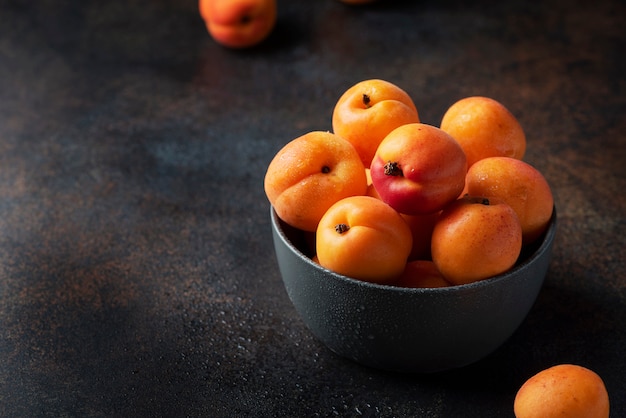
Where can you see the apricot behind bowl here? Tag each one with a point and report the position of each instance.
(413, 330)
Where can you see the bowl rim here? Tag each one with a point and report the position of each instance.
(546, 241)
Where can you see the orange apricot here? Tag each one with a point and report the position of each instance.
(484, 128)
(238, 23)
(518, 184)
(564, 390)
(421, 274)
(475, 238)
(418, 169)
(363, 238)
(368, 111)
(422, 229)
(309, 174)
(371, 190)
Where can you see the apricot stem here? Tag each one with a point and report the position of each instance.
(392, 169)
(341, 228)
(366, 100)
(325, 169)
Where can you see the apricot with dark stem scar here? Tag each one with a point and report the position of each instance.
(368, 111)
(311, 173)
(363, 238)
(392, 169)
(366, 100)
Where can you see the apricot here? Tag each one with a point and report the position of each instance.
(371, 190)
(421, 274)
(418, 169)
(368, 111)
(484, 128)
(475, 238)
(422, 230)
(564, 390)
(518, 184)
(309, 174)
(363, 238)
(238, 23)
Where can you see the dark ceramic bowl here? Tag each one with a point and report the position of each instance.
(409, 330)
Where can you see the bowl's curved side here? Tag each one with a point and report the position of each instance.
(409, 330)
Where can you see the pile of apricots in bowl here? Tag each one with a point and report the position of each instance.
(391, 200)
(406, 246)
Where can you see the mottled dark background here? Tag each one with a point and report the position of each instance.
(137, 274)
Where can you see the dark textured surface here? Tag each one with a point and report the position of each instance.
(137, 275)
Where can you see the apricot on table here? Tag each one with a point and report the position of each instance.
(309, 174)
(564, 390)
(476, 238)
(484, 128)
(368, 111)
(238, 23)
(518, 184)
(363, 238)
